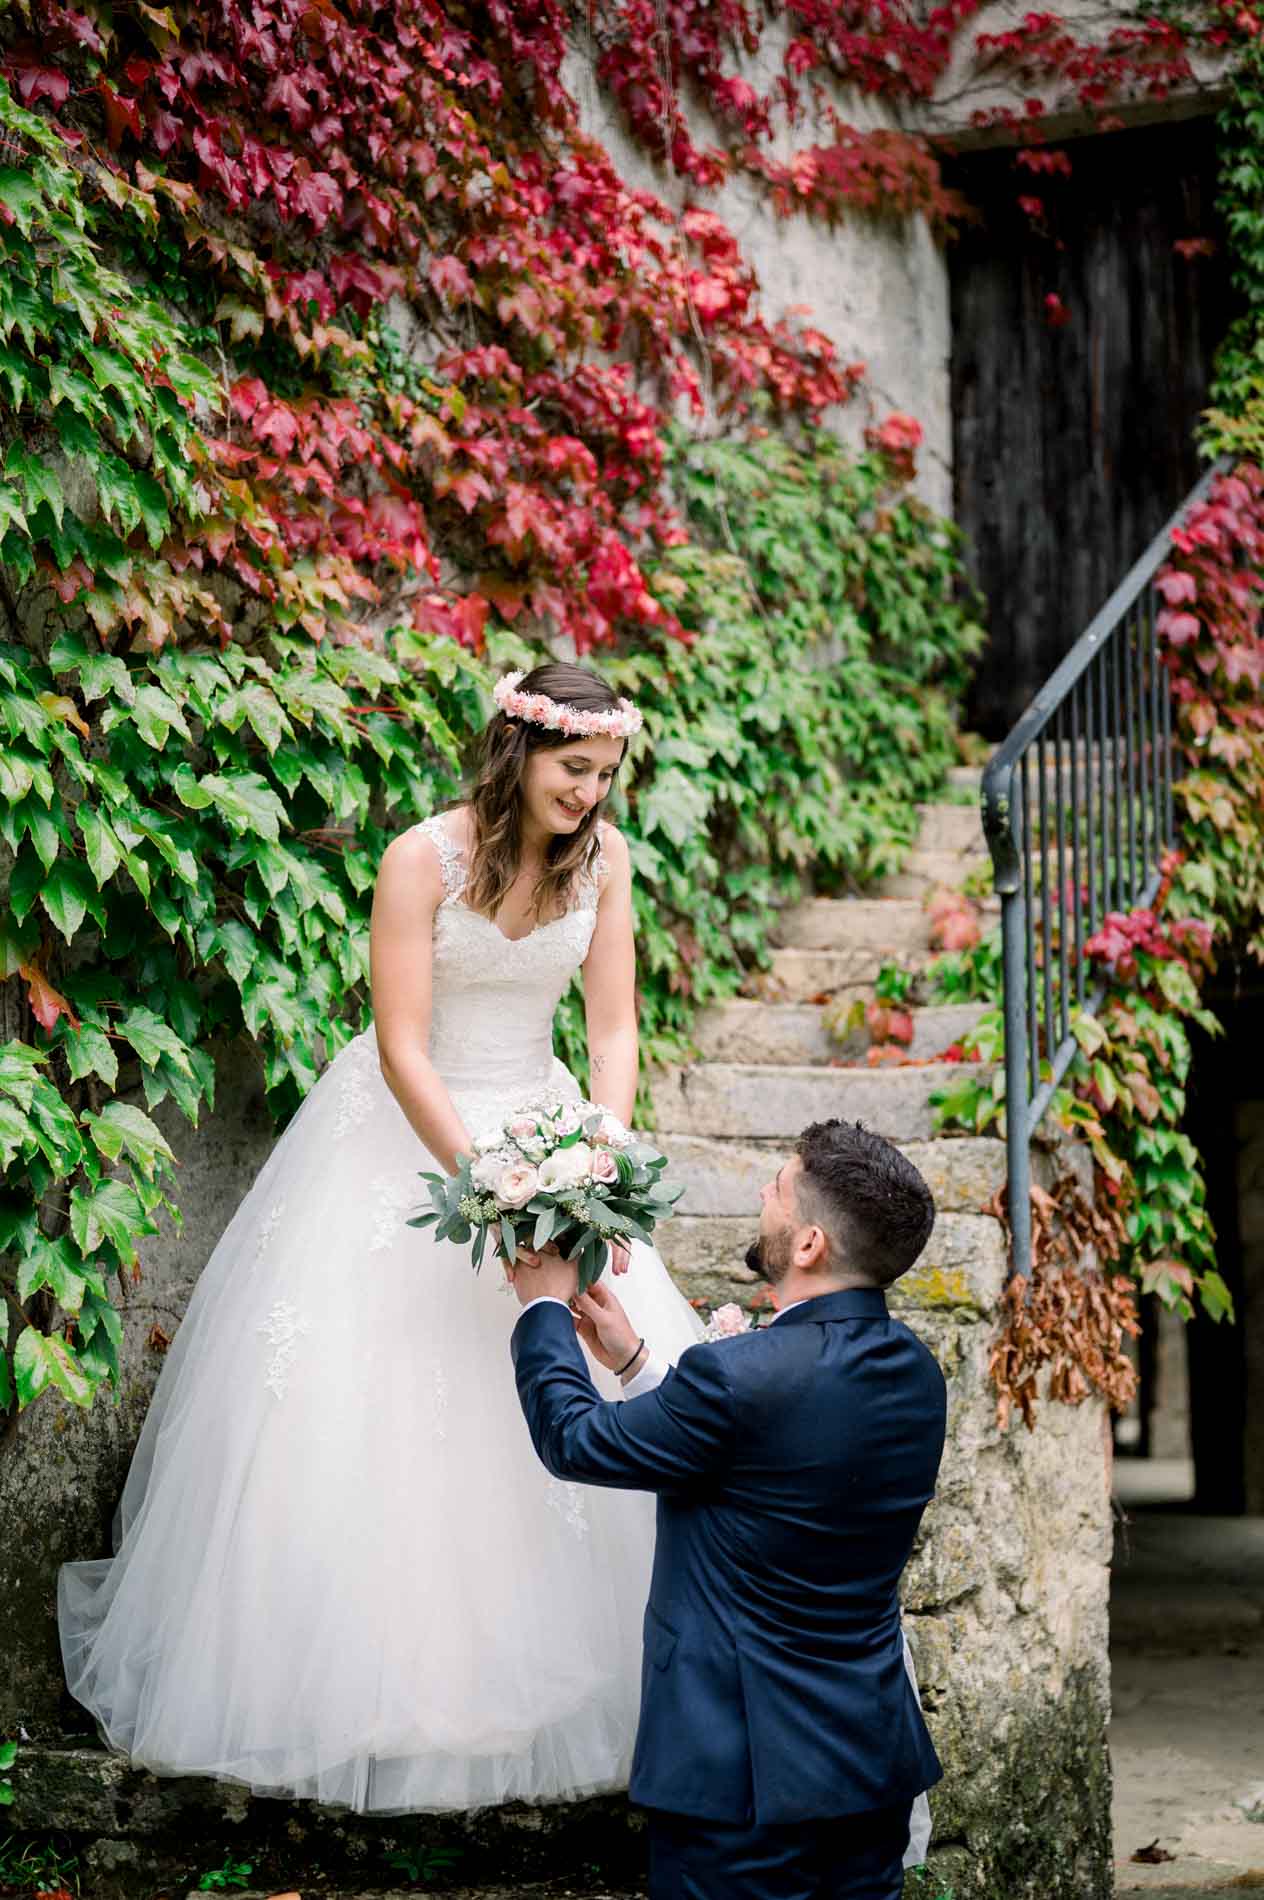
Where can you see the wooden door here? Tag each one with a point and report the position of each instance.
(1074, 422)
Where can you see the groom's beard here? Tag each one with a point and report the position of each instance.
(769, 1256)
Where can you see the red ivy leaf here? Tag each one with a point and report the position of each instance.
(42, 82)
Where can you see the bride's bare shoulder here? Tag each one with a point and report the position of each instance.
(415, 862)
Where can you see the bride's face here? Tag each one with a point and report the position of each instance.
(563, 783)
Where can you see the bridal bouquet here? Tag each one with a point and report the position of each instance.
(562, 1172)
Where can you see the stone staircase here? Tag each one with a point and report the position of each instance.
(768, 1067)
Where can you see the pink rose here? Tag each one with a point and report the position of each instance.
(521, 1128)
(517, 1185)
(604, 1167)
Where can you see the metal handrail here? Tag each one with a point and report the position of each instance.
(1100, 733)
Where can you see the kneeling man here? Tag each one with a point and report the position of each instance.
(781, 1743)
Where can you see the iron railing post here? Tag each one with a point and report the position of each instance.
(1017, 1129)
(1004, 824)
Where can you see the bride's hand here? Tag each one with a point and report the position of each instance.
(620, 1256)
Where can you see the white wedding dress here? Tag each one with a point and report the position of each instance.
(341, 1570)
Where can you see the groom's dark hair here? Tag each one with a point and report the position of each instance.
(869, 1200)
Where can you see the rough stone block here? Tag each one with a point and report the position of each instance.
(961, 1271)
(950, 828)
(798, 975)
(731, 1099)
(706, 1256)
(887, 924)
(779, 1033)
(963, 1172)
(925, 871)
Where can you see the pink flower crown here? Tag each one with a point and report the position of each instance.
(620, 722)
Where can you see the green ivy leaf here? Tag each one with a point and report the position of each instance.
(89, 1051)
(37, 480)
(16, 1131)
(113, 1215)
(105, 853)
(40, 1361)
(247, 802)
(152, 1038)
(121, 1129)
(52, 1263)
(68, 894)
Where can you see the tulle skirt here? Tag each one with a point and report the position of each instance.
(341, 1571)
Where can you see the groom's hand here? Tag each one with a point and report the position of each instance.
(544, 1275)
(604, 1327)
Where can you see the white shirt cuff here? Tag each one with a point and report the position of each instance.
(652, 1373)
(543, 1299)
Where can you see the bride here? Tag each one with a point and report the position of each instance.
(335, 1530)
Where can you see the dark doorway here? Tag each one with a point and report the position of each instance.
(1225, 1121)
(1074, 422)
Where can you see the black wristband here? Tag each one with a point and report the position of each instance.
(640, 1348)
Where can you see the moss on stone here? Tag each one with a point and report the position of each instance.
(1024, 1810)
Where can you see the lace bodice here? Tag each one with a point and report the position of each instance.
(493, 997)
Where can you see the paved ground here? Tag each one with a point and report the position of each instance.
(1187, 1739)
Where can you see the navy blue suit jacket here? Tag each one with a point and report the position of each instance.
(792, 1466)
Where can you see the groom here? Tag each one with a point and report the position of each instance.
(781, 1744)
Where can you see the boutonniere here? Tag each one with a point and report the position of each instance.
(726, 1323)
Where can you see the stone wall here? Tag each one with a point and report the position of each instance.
(878, 289)
(61, 1476)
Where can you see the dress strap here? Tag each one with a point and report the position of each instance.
(451, 853)
(594, 876)
(601, 864)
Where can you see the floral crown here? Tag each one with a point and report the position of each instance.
(620, 722)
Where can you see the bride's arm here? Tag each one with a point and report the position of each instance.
(610, 989)
(409, 891)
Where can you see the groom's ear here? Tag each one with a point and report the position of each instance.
(812, 1248)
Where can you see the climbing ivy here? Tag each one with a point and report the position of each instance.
(195, 832)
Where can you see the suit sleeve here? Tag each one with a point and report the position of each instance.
(667, 1438)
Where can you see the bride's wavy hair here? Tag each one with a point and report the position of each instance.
(502, 754)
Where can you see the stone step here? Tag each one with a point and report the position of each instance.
(740, 1099)
(950, 828)
(888, 924)
(723, 1178)
(923, 870)
(781, 1034)
(937, 1027)
(797, 975)
(963, 1265)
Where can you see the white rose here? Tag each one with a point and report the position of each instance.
(516, 1185)
(568, 1168)
(487, 1170)
(610, 1133)
(604, 1166)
